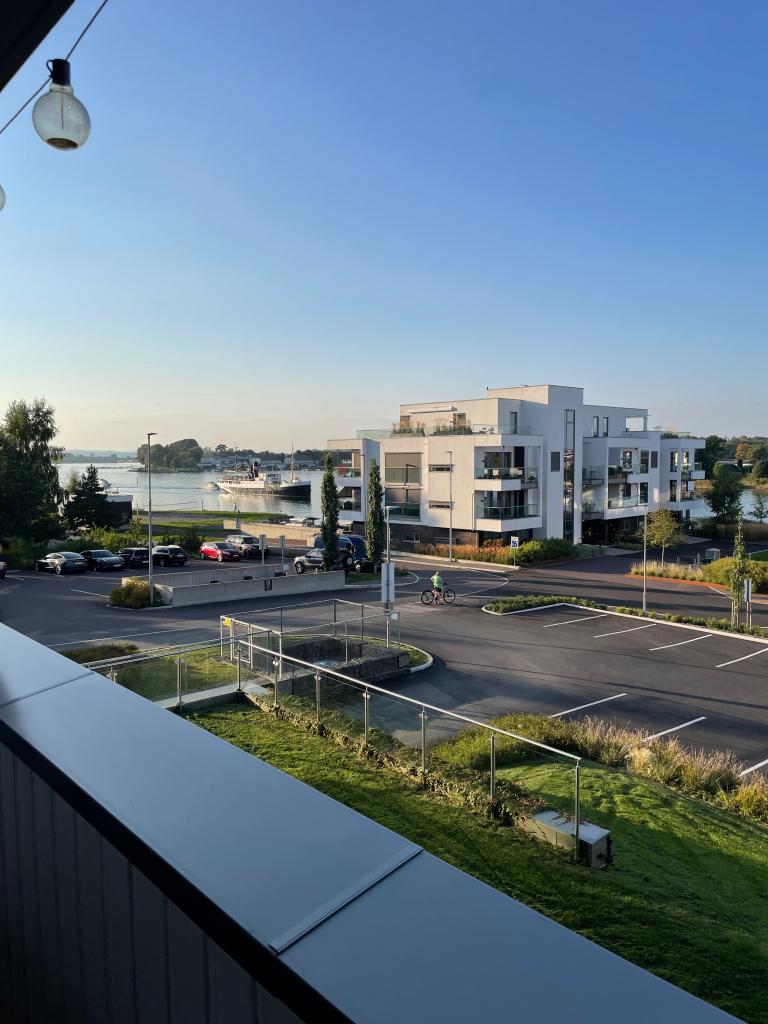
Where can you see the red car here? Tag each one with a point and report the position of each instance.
(220, 550)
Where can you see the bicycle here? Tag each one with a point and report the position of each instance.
(444, 596)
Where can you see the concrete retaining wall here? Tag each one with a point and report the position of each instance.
(214, 571)
(264, 587)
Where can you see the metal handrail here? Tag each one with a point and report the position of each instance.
(423, 705)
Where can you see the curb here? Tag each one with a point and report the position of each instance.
(377, 586)
(720, 587)
(642, 618)
(427, 664)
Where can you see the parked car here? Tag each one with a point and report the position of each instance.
(353, 551)
(313, 560)
(221, 551)
(302, 521)
(249, 547)
(134, 556)
(169, 554)
(100, 559)
(3, 569)
(61, 561)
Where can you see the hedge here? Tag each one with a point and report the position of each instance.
(134, 594)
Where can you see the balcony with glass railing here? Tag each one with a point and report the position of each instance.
(527, 475)
(508, 511)
(688, 468)
(412, 511)
(632, 501)
(441, 429)
(592, 509)
(408, 475)
(593, 475)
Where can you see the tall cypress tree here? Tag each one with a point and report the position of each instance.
(737, 573)
(329, 508)
(375, 526)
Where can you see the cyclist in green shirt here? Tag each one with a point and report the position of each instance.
(437, 584)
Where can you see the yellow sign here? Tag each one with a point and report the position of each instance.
(226, 620)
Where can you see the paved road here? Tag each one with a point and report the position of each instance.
(486, 665)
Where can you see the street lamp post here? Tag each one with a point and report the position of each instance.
(388, 589)
(450, 506)
(150, 434)
(645, 557)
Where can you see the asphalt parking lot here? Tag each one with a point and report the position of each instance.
(707, 689)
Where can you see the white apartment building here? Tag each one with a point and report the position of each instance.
(529, 461)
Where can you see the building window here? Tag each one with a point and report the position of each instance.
(554, 462)
(439, 467)
(605, 426)
(654, 460)
(673, 460)
(410, 537)
(440, 504)
(673, 490)
(643, 461)
(643, 491)
(595, 426)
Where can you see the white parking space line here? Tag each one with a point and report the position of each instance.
(674, 728)
(90, 593)
(760, 764)
(582, 618)
(680, 643)
(590, 705)
(123, 636)
(754, 654)
(633, 629)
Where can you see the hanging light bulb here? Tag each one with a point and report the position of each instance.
(60, 119)
(2, 197)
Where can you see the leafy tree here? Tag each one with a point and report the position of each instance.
(329, 509)
(29, 482)
(724, 498)
(760, 469)
(713, 449)
(759, 508)
(742, 450)
(88, 506)
(375, 527)
(757, 452)
(737, 574)
(180, 455)
(663, 530)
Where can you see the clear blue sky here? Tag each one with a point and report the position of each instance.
(293, 215)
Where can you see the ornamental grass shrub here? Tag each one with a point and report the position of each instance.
(134, 594)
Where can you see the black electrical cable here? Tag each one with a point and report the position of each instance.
(74, 46)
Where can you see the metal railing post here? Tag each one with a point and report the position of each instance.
(423, 717)
(317, 696)
(362, 622)
(366, 712)
(346, 642)
(278, 672)
(493, 766)
(239, 670)
(334, 617)
(577, 810)
(178, 684)
(386, 616)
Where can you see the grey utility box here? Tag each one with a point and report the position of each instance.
(560, 830)
(712, 554)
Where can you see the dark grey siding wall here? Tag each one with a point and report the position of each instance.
(86, 937)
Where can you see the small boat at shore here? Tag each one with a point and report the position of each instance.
(210, 485)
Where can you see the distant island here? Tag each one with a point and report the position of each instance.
(188, 456)
(82, 456)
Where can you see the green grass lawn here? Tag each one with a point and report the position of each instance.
(156, 680)
(760, 556)
(687, 897)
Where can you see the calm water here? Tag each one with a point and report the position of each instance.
(185, 491)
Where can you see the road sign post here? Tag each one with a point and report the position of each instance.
(514, 543)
